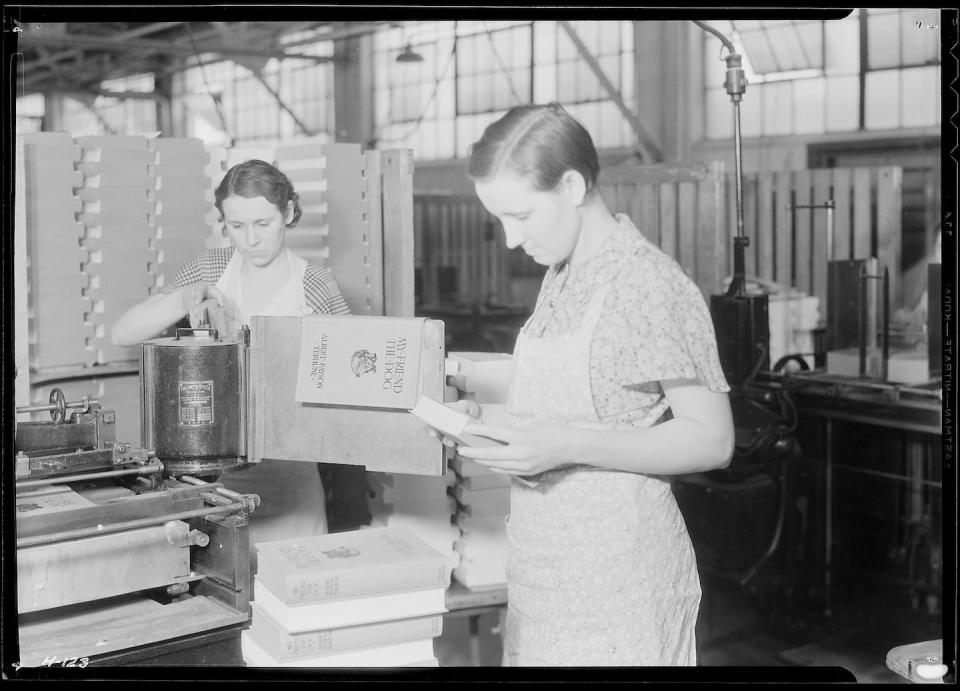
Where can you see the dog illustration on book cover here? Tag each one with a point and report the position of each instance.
(363, 362)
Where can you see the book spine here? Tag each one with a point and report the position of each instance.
(309, 588)
(285, 646)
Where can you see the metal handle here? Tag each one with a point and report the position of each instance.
(209, 331)
(58, 406)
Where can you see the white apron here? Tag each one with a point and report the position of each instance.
(291, 492)
(600, 567)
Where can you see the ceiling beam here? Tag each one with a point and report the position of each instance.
(146, 29)
(161, 47)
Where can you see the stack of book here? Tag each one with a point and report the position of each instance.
(117, 215)
(373, 597)
(420, 503)
(483, 498)
(58, 328)
(183, 198)
(480, 377)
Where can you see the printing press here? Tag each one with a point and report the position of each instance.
(122, 548)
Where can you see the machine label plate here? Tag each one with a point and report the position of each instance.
(196, 403)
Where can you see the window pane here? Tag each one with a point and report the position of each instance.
(811, 41)
(786, 48)
(882, 107)
(843, 104)
(566, 50)
(610, 132)
(883, 39)
(843, 46)
(758, 45)
(719, 124)
(809, 112)
(545, 43)
(751, 112)
(545, 83)
(778, 108)
(921, 96)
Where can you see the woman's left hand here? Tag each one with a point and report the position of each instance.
(527, 451)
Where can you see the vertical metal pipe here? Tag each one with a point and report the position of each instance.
(885, 333)
(862, 330)
(830, 207)
(738, 163)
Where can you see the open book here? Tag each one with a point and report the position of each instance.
(450, 422)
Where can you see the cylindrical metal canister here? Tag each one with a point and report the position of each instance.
(193, 393)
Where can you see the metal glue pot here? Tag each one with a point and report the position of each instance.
(193, 391)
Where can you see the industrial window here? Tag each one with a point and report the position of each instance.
(414, 95)
(471, 72)
(306, 88)
(202, 91)
(493, 66)
(111, 115)
(806, 77)
(225, 102)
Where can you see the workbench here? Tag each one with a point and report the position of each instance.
(473, 604)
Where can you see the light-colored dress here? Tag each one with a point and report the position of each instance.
(600, 567)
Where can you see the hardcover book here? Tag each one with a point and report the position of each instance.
(352, 611)
(351, 564)
(360, 361)
(281, 644)
(450, 422)
(407, 654)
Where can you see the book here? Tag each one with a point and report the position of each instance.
(483, 502)
(360, 361)
(409, 653)
(483, 377)
(466, 467)
(449, 421)
(355, 563)
(491, 481)
(281, 644)
(352, 611)
(49, 500)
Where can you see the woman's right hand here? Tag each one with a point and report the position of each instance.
(194, 295)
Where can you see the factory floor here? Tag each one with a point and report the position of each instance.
(732, 631)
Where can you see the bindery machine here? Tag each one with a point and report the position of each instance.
(125, 551)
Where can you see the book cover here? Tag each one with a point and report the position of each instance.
(49, 500)
(284, 645)
(409, 653)
(360, 361)
(352, 611)
(449, 421)
(350, 564)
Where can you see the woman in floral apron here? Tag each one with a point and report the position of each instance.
(617, 384)
(256, 275)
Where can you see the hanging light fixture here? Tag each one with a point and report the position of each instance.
(408, 54)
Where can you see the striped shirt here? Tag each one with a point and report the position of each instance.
(320, 287)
